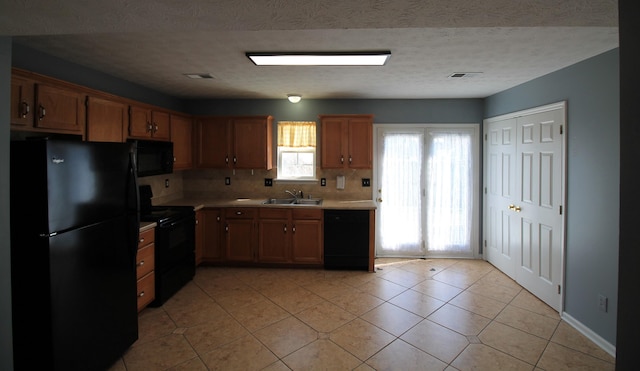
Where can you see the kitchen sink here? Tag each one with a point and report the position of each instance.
(279, 201)
(292, 201)
(308, 201)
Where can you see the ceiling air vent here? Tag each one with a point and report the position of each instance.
(199, 75)
(460, 75)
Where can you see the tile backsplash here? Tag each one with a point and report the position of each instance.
(250, 184)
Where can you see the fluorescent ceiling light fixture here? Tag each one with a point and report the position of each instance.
(373, 58)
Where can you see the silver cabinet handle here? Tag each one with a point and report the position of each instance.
(24, 109)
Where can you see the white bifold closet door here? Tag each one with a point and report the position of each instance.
(524, 196)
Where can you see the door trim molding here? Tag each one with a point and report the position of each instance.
(529, 111)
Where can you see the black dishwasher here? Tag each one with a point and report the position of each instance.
(346, 239)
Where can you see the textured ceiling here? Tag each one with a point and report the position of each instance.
(153, 43)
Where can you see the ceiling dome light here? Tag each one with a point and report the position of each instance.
(294, 98)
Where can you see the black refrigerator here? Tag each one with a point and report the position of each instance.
(74, 232)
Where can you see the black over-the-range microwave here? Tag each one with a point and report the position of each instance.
(153, 157)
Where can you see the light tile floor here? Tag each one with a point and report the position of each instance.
(439, 314)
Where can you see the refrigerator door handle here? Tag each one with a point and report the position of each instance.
(134, 203)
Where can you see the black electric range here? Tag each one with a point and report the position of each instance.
(165, 214)
(174, 245)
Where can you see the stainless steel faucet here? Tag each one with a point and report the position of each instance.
(294, 193)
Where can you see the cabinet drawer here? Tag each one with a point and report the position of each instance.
(145, 260)
(146, 237)
(307, 213)
(146, 290)
(240, 213)
(272, 213)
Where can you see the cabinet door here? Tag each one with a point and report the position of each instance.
(213, 137)
(181, 136)
(21, 102)
(211, 225)
(307, 241)
(274, 237)
(161, 125)
(252, 143)
(240, 240)
(106, 120)
(140, 122)
(360, 139)
(59, 109)
(334, 133)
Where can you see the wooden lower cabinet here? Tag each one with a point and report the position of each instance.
(240, 234)
(211, 227)
(274, 233)
(307, 237)
(145, 268)
(291, 236)
(260, 236)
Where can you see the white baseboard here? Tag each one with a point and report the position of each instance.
(584, 330)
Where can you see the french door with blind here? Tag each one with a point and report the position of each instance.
(427, 190)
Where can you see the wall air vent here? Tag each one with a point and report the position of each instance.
(199, 75)
(461, 75)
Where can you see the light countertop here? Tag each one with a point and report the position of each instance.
(258, 202)
(147, 225)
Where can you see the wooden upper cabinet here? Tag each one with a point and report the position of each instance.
(252, 142)
(22, 100)
(59, 108)
(39, 106)
(347, 141)
(106, 120)
(182, 138)
(360, 143)
(235, 142)
(145, 123)
(213, 138)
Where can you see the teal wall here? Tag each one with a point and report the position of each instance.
(384, 110)
(591, 89)
(45, 64)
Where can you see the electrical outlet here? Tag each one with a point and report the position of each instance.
(166, 183)
(366, 182)
(268, 182)
(323, 182)
(603, 302)
(227, 181)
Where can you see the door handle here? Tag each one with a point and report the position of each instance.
(379, 199)
(515, 208)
